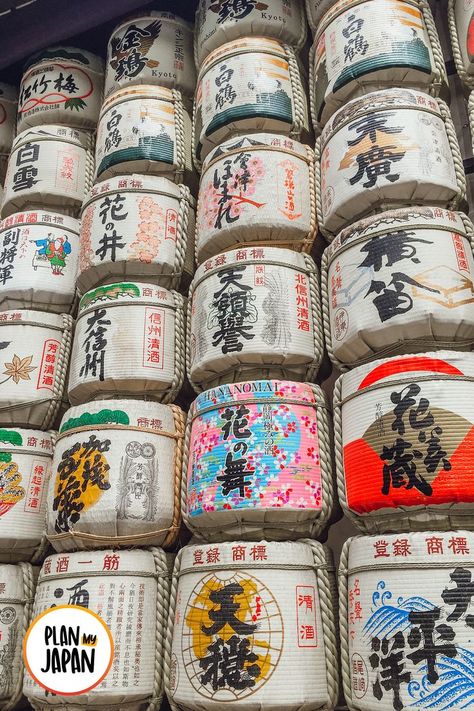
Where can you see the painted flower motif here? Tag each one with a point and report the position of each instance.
(19, 369)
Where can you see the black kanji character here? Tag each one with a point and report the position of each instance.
(400, 468)
(236, 421)
(236, 471)
(230, 664)
(369, 124)
(422, 633)
(392, 665)
(225, 614)
(460, 596)
(377, 161)
(79, 595)
(395, 246)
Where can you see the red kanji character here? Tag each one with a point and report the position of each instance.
(459, 546)
(213, 555)
(198, 559)
(238, 553)
(381, 549)
(401, 547)
(434, 545)
(259, 553)
(62, 564)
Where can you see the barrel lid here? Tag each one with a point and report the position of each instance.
(33, 217)
(432, 366)
(382, 100)
(52, 132)
(72, 564)
(366, 551)
(243, 44)
(145, 17)
(139, 91)
(255, 255)
(261, 555)
(341, 6)
(391, 221)
(254, 142)
(8, 93)
(29, 317)
(133, 183)
(124, 293)
(125, 413)
(260, 391)
(81, 57)
(31, 441)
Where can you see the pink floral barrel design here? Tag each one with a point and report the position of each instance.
(137, 227)
(235, 205)
(259, 461)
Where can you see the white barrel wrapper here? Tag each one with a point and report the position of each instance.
(129, 341)
(129, 590)
(235, 205)
(254, 313)
(315, 9)
(17, 589)
(224, 21)
(39, 252)
(137, 227)
(135, 449)
(269, 607)
(391, 148)
(406, 621)
(400, 281)
(361, 47)
(144, 129)
(248, 85)
(61, 85)
(25, 470)
(156, 48)
(258, 462)
(50, 167)
(404, 435)
(34, 348)
(8, 106)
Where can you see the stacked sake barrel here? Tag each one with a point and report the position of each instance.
(397, 285)
(116, 482)
(49, 169)
(257, 484)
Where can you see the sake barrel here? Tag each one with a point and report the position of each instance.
(406, 627)
(156, 48)
(129, 341)
(461, 30)
(50, 168)
(17, 587)
(129, 591)
(39, 255)
(144, 129)
(135, 449)
(270, 606)
(258, 461)
(220, 22)
(137, 226)
(25, 469)
(235, 205)
(35, 347)
(398, 282)
(391, 148)
(404, 433)
(8, 105)
(251, 84)
(61, 85)
(254, 313)
(363, 46)
(315, 9)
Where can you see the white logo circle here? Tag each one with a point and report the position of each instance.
(68, 650)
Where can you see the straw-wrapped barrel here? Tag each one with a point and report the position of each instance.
(50, 168)
(61, 85)
(235, 204)
(270, 607)
(258, 462)
(135, 449)
(400, 281)
(404, 437)
(137, 227)
(254, 313)
(388, 149)
(129, 341)
(130, 592)
(156, 48)
(253, 84)
(406, 621)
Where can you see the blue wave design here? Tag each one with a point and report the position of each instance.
(454, 688)
(387, 619)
